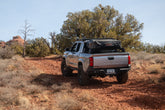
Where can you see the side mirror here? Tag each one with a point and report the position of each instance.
(67, 49)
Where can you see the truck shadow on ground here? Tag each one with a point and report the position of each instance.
(45, 79)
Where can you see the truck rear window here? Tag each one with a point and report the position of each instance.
(102, 47)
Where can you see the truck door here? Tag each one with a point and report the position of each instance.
(76, 55)
(70, 55)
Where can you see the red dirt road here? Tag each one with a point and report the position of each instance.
(135, 94)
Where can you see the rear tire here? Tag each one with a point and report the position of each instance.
(122, 77)
(66, 71)
(83, 77)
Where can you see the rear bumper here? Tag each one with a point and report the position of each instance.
(103, 71)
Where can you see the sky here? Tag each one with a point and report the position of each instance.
(48, 16)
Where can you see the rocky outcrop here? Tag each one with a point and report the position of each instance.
(17, 40)
(2, 44)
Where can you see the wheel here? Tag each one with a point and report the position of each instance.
(83, 77)
(122, 77)
(66, 71)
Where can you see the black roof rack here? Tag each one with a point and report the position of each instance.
(84, 39)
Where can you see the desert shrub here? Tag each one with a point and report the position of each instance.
(13, 73)
(58, 52)
(138, 56)
(6, 53)
(154, 69)
(66, 102)
(13, 79)
(18, 49)
(160, 60)
(34, 89)
(24, 102)
(16, 87)
(9, 96)
(60, 87)
(37, 48)
(163, 67)
(86, 97)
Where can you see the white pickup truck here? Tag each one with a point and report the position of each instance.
(96, 57)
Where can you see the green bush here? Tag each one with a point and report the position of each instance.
(6, 53)
(37, 48)
(18, 49)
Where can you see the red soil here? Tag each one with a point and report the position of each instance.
(135, 94)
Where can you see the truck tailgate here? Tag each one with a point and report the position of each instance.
(110, 60)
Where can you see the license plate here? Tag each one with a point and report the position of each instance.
(111, 71)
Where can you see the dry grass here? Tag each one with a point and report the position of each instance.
(9, 96)
(17, 91)
(60, 87)
(26, 106)
(158, 58)
(66, 102)
(86, 96)
(140, 56)
(163, 67)
(154, 69)
(36, 107)
(152, 80)
(14, 73)
(24, 102)
(34, 89)
(6, 53)
(15, 79)
(64, 99)
(156, 80)
(152, 64)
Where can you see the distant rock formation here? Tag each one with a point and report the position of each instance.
(2, 44)
(16, 40)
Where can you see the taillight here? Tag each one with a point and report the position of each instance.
(129, 60)
(90, 61)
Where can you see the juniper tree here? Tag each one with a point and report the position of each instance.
(103, 22)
